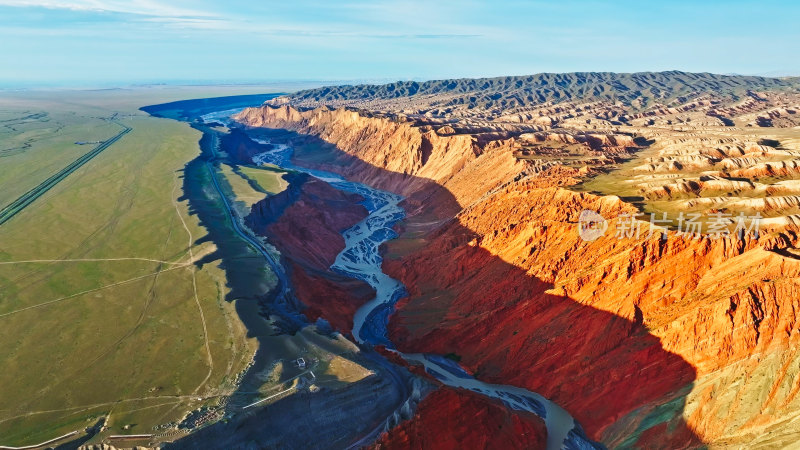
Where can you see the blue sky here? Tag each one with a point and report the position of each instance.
(105, 42)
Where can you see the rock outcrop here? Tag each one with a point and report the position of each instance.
(547, 98)
(647, 342)
(307, 220)
(514, 291)
(304, 222)
(395, 155)
(456, 419)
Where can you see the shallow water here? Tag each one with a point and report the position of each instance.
(361, 259)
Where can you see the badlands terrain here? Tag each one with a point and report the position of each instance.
(673, 337)
(579, 260)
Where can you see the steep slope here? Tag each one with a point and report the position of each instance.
(456, 419)
(309, 217)
(304, 222)
(646, 342)
(394, 156)
(512, 289)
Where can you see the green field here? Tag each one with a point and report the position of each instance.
(102, 311)
(248, 185)
(34, 145)
(269, 179)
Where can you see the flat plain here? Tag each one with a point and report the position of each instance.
(102, 309)
(121, 303)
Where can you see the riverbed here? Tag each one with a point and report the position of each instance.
(361, 259)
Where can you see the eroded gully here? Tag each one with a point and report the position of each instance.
(361, 259)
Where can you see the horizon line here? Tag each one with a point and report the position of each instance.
(19, 85)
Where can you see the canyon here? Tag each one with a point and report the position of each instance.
(653, 339)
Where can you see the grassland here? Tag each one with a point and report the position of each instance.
(241, 190)
(268, 178)
(102, 311)
(248, 185)
(115, 298)
(36, 144)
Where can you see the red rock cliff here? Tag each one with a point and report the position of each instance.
(613, 329)
(456, 419)
(646, 342)
(395, 156)
(305, 222)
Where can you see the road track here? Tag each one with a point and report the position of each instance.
(29, 197)
(42, 444)
(277, 268)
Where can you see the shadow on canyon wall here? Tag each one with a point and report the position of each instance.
(322, 420)
(310, 420)
(610, 373)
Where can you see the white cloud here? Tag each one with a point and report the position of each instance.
(139, 7)
(184, 15)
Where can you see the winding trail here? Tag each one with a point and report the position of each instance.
(194, 289)
(41, 444)
(61, 299)
(256, 244)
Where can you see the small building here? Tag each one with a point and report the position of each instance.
(301, 363)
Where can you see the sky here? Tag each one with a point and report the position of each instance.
(106, 42)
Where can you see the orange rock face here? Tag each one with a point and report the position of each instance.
(649, 343)
(456, 419)
(604, 328)
(395, 156)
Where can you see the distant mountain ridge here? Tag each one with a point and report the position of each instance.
(636, 90)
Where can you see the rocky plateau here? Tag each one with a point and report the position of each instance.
(651, 340)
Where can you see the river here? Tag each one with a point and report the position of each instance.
(361, 259)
